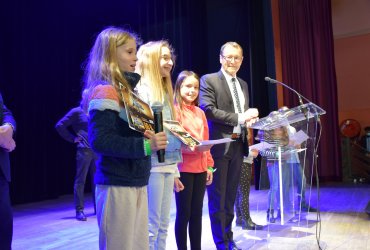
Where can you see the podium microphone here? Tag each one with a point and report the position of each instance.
(304, 109)
(157, 108)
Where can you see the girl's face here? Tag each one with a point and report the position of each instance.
(126, 56)
(189, 90)
(165, 62)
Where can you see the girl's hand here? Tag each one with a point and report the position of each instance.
(178, 186)
(157, 141)
(149, 134)
(202, 148)
(209, 177)
(254, 153)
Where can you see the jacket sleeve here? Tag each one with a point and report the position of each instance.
(210, 162)
(105, 136)
(64, 124)
(9, 118)
(217, 110)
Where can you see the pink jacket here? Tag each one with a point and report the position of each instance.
(193, 119)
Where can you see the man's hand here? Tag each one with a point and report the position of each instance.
(251, 121)
(77, 139)
(6, 137)
(251, 114)
(249, 117)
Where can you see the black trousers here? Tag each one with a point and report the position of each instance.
(6, 215)
(242, 196)
(222, 193)
(85, 162)
(189, 206)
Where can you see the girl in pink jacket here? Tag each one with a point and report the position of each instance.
(197, 166)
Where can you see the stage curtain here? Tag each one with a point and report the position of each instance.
(307, 50)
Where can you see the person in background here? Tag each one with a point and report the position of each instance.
(123, 166)
(243, 217)
(279, 138)
(197, 166)
(299, 178)
(224, 98)
(155, 62)
(7, 145)
(73, 128)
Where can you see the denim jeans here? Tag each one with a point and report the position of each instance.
(299, 180)
(274, 192)
(160, 190)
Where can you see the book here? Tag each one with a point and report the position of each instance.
(139, 114)
(179, 131)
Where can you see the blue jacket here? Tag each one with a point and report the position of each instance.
(120, 150)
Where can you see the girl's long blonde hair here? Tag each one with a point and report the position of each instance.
(101, 65)
(148, 66)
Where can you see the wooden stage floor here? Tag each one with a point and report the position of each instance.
(344, 224)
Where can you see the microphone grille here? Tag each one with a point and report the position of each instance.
(157, 106)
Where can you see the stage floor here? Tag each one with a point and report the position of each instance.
(344, 224)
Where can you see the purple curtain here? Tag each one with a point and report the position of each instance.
(308, 66)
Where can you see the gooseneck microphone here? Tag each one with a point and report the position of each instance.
(157, 108)
(304, 109)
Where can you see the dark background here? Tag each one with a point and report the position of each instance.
(43, 45)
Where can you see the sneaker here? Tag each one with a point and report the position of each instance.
(80, 215)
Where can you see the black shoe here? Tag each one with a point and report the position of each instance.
(306, 208)
(250, 225)
(233, 246)
(80, 215)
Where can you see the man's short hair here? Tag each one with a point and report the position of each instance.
(232, 44)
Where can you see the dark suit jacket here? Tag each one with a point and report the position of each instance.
(5, 117)
(217, 103)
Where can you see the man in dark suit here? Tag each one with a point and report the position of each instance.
(7, 144)
(225, 100)
(73, 128)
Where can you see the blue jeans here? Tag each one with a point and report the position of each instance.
(274, 192)
(160, 190)
(299, 180)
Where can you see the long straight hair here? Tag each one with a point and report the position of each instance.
(148, 66)
(102, 65)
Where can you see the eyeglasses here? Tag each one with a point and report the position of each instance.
(237, 59)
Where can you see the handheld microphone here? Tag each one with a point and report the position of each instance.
(304, 109)
(157, 108)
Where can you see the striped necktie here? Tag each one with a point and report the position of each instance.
(233, 81)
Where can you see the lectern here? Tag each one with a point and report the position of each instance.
(304, 121)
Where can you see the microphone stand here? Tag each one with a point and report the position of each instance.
(303, 109)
